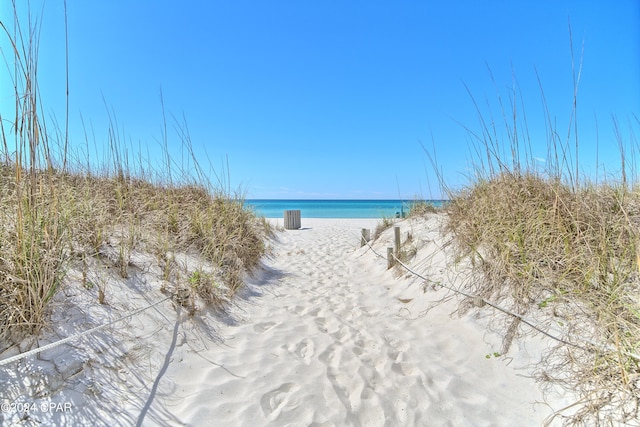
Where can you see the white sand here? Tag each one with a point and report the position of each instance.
(324, 336)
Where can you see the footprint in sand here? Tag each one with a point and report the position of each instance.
(274, 401)
(342, 335)
(331, 356)
(397, 349)
(316, 312)
(305, 350)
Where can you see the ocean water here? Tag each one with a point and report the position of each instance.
(333, 208)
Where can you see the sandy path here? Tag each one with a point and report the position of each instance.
(321, 338)
(325, 336)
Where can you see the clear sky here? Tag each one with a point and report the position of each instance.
(330, 99)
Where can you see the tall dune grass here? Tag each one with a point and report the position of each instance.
(56, 213)
(558, 246)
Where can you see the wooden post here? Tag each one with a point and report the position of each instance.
(292, 220)
(366, 236)
(390, 259)
(396, 232)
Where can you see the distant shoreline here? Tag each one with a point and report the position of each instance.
(405, 201)
(336, 208)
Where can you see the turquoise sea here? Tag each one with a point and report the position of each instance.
(333, 208)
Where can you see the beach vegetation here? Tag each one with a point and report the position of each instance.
(408, 249)
(384, 224)
(60, 214)
(561, 246)
(421, 208)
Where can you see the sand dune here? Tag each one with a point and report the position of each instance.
(324, 335)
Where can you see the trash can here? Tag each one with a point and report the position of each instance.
(292, 220)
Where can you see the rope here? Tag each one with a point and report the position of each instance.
(79, 335)
(525, 320)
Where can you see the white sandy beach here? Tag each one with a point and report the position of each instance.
(323, 335)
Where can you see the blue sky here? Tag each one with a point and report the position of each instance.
(331, 99)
